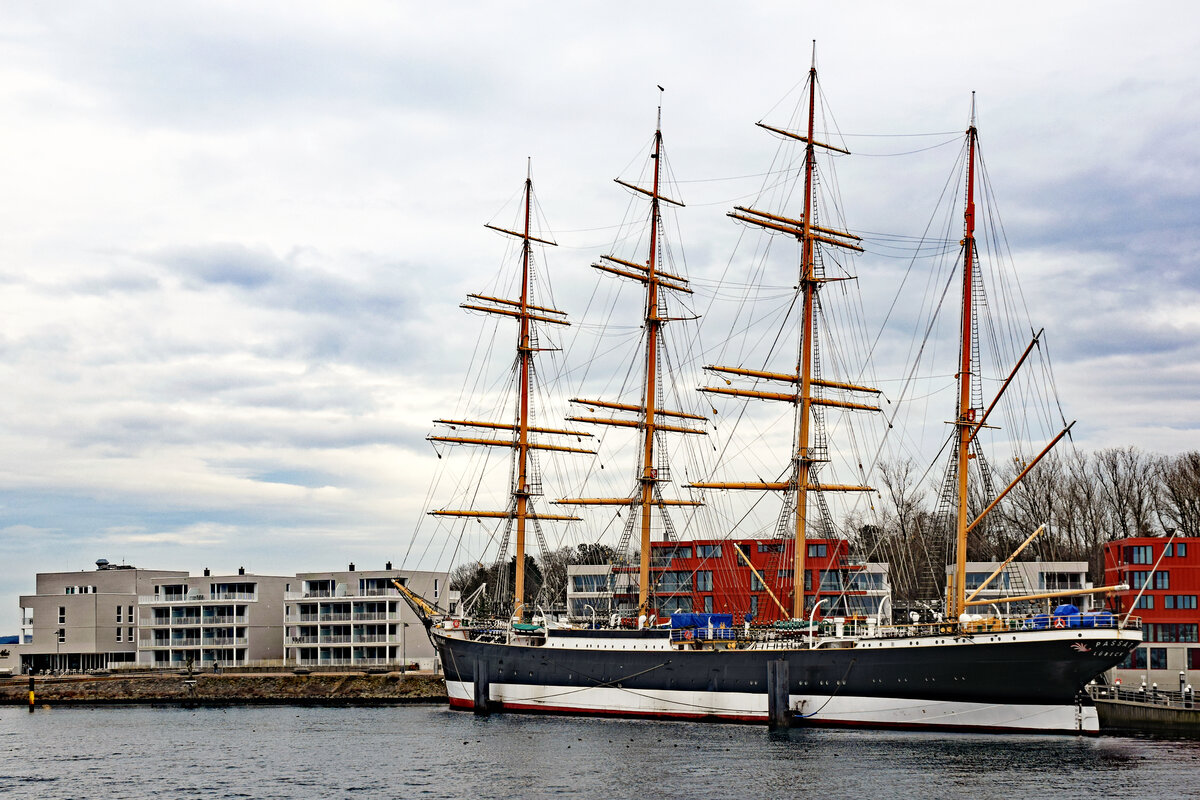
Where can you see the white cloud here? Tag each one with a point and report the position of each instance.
(234, 237)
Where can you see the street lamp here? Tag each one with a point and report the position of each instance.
(403, 657)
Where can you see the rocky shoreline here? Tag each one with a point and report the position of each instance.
(324, 688)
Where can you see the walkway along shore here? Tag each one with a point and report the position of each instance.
(323, 688)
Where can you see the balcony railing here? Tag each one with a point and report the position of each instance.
(345, 662)
(341, 639)
(371, 615)
(226, 641)
(304, 640)
(372, 638)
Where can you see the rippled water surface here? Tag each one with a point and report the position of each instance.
(430, 752)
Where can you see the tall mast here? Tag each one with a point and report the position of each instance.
(524, 355)
(809, 234)
(966, 422)
(649, 475)
(647, 497)
(808, 286)
(522, 489)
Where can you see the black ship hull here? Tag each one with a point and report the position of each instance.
(992, 681)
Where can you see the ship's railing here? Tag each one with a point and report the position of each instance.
(705, 634)
(1146, 694)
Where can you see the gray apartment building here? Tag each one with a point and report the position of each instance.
(119, 616)
(357, 618)
(212, 620)
(85, 620)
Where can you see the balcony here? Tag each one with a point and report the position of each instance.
(189, 642)
(179, 622)
(360, 616)
(226, 641)
(340, 617)
(251, 596)
(336, 639)
(226, 620)
(303, 640)
(375, 638)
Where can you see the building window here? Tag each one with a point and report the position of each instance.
(590, 583)
(708, 604)
(62, 615)
(1162, 580)
(68, 590)
(817, 551)
(756, 585)
(118, 634)
(708, 551)
(129, 634)
(770, 547)
(118, 616)
(437, 588)
(1172, 632)
(1181, 549)
(704, 581)
(675, 582)
(1145, 601)
(62, 635)
(754, 604)
(1139, 554)
(1158, 658)
(1193, 658)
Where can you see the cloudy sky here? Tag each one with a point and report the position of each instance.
(233, 236)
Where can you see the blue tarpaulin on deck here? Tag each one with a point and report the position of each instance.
(681, 619)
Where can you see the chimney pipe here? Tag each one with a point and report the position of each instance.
(352, 566)
(206, 572)
(241, 570)
(389, 565)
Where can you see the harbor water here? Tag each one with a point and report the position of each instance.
(431, 752)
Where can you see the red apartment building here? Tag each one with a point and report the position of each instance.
(711, 576)
(1167, 605)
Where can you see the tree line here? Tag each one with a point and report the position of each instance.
(1085, 500)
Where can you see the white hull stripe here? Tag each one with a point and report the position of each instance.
(812, 709)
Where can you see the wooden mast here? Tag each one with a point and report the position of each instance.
(966, 414)
(647, 497)
(649, 475)
(526, 314)
(808, 234)
(808, 286)
(524, 354)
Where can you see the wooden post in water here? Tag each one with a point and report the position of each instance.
(482, 688)
(779, 707)
(32, 699)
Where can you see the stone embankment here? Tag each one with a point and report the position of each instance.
(323, 688)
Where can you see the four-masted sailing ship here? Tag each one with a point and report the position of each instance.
(962, 671)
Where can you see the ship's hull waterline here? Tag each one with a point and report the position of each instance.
(986, 682)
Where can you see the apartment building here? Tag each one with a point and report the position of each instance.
(1164, 582)
(749, 578)
(1022, 578)
(356, 618)
(122, 616)
(85, 620)
(212, 620)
